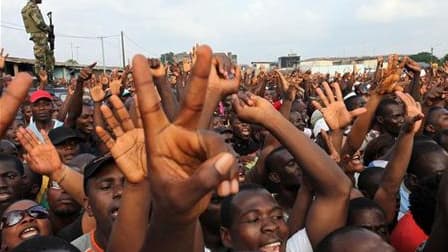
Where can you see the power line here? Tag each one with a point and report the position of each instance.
(137, 45)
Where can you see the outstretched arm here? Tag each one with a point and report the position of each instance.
(328, 212)
(12, 98)
(395, 170)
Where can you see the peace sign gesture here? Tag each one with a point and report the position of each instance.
(185, 163)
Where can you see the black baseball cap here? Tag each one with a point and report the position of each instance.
(61, 134)
(94, 166)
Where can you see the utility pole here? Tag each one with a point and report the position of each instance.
(102, 51)
(71, 47)
(432, 54)
(77, 53)
(123, 56)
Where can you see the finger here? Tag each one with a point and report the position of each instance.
(234, 186)
(337, 91)
(322, 97)
(23, 140)
(195, 95)
(316, 105)
(122, 112)
(92, 65)
(111, 121)
(212, 173)
(12, 98)
(328, 91)
(105, 137)
(153, 116)
(1, 52)
(32, 137)
(358, 112)
(45, 136)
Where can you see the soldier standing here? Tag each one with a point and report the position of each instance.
(37, 28)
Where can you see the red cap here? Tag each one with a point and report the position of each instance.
(39, 94)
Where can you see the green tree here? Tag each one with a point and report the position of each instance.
(444, 58)
(424, 57)
(72, 62)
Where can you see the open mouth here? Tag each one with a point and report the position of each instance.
(271, 247)
(29, 232)
(114, 213)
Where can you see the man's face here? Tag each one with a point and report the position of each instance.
(68, 149)
(442, 121)
(373, 220)
(27, 228)
(61, 204)
(10, 184)
(241, 130)
(27, 113)
(287, 169)
(393, 118)
(84, 123)
(42, 110)
(297, 120)
(11, 132)
(258, 223)
(104, 195)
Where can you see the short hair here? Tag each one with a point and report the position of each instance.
(326, 245)
(421, 151)
(12, 159)
(269, 162)
(431, 117)
(385, 102)
(423, 202)
(351, 102)
(366, 182)
(227, 207)
(360, 204)
(45, 244)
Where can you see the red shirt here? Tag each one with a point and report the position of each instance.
(407, 235)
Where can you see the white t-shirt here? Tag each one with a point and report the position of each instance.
(32, 126)
(299, 242)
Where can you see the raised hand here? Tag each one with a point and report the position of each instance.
(96, 92)
(333, 110)
(128, 148)
(185, 164)
(115, 86)
(42, 157)
(86, 72)
(251, 108)
(218, 83)
(12, 98)
(43, 76)
(414, 114)
(158, 70)
(391, 77)
(2, 59)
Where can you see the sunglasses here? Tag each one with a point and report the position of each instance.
(15, 217)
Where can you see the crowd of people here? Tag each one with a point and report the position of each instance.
(201, 155)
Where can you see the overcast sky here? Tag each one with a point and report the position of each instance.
(252, 29)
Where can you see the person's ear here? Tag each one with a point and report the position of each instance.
(410, 181)
(274, 177)
(430, 128)
(226, 239)
(88, 207)
(380, 119)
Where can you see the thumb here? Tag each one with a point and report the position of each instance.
(358, 111)
(209, 175)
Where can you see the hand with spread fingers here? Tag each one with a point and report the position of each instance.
(186, 164)
(391, 77)
(12, 98)
(414, 114)
(333, 110)
(96, 91)
(128, 147)
(115, 87)
(42, 157)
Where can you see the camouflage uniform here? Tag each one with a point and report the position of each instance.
(38, 30)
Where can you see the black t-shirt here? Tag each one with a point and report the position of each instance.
(72, 231)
